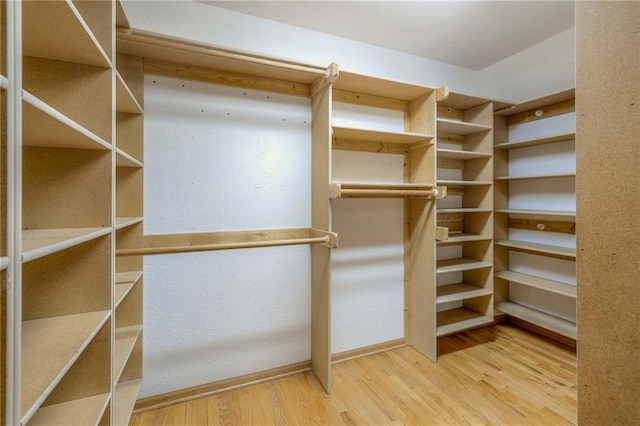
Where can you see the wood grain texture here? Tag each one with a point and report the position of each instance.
(608, 108)
(495, 375)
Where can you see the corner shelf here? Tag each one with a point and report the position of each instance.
(50, 346)
(83, 411)
(542, 319)
(565, 252)
(463, 237)
(563, 137)
(537, 212)
(126, 338)
(455, 154)
(124, 283)
(460, 319)
(462, 128)
(459, 265)
(37, 243)
(125, 160)
(361, 134)
(551, 286)
(459, 291)
(125, 398)
(125, 222)
(125, 100)
(543, 176)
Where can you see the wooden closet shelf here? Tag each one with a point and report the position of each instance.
(125, 160)
(460, 319)
(454, 238)
(125, 398)
(37, 243)
(77, 44)
(464, 182)
(83, 411)
(359, 134)
(455, 154)
(568, 253)
(124, 283)
(230, 240)
(126, 338)
(545, 176)
(125, 222)
(50, 346)
(344, 189)
(459, 291)
(386, 88)
(539, 318)
(125, 100)
(45, 126)
(537, 141)
(464, 210)
(462, 128)
(537, 212)
(551, 286)
(459, 265)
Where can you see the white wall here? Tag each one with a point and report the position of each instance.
(212, 316)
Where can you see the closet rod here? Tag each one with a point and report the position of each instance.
(396, 192)
(222, 246)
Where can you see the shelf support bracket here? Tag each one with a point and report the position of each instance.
(332, 237)
(331, 74)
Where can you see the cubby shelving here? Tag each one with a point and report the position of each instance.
(535, 220)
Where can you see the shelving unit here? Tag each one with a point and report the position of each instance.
(535, 215)
(61, 316)
(465, 167)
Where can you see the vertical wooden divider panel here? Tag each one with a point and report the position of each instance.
(320, 255)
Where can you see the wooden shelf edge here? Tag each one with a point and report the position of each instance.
(128, 277)
(549, 249)
(125, 222)
(126, 337)
(88, 410)
(125, 99)
(545, 176)
(560, 137)
(461, 155)
(464, 210)
(375, 135)
(464, 182)
(4, 82)
(125, 397)
(459, 265)
(459, 292)
(4, 263)
(551, 286)
(124, 159)
(97, 142)
(539, 318)
(68, 237)
(467, 321)
(453, 238)
(537, 212)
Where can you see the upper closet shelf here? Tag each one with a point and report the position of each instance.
(385, 88)
(125, 160)
(353, 189)
(537, 212)
(568, 253)
(463, 128)
(453, 154)
(125, 100)
(37, 243)
(537, 141)
(83, 411)
(545, 176)
(45, 126)
(75, 44)
(359, 134)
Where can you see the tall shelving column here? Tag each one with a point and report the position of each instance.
(64, 282)
(465, 256)
(416, 105)
(535, 215)
(128, 289)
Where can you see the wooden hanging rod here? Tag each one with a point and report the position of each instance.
(197, 242)
(338, 190)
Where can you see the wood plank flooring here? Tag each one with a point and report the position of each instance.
(494, 375)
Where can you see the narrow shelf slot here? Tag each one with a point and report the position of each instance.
(45, 126)
(551, 286)
(459, 265)
(75, 44)
(537, 141)
(463, 128)
(453, 154)
(537, 212)
(50, 346)
(125, 100)
(126, 338)
(124, 399)
(125, 160)
(83, 411)
(541, 319)
(359, 134)
(545, 176)
(124, 222)
(567, 252)
(458, 292)
(347, 189)
(124, 283)
(457, 320)
(37, 243)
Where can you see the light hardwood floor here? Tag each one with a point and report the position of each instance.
(494, 375)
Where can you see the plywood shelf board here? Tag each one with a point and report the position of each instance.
(553, 98)
(125, 222)
(125, 160)
(128, 277)
(360, 134)
(462, 237)
(459, 291)
(121, 16)
(50, 346)
(124, 283)
(83, 411)
(537, 212)
(125, 100)
(37, 243)
(371, 85)
(126, 338)
(563, 137)
(538, 248)
(463, 128)
(460, 264)
(125, 397)
(456, 320)
(75, 44)
(541, 319)
(464, 210)
(45, 126)
(464, 182)
(454, 154)
(552, 286)
(462, 101)
(544, 176)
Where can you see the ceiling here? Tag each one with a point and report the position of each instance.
(471, 34)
